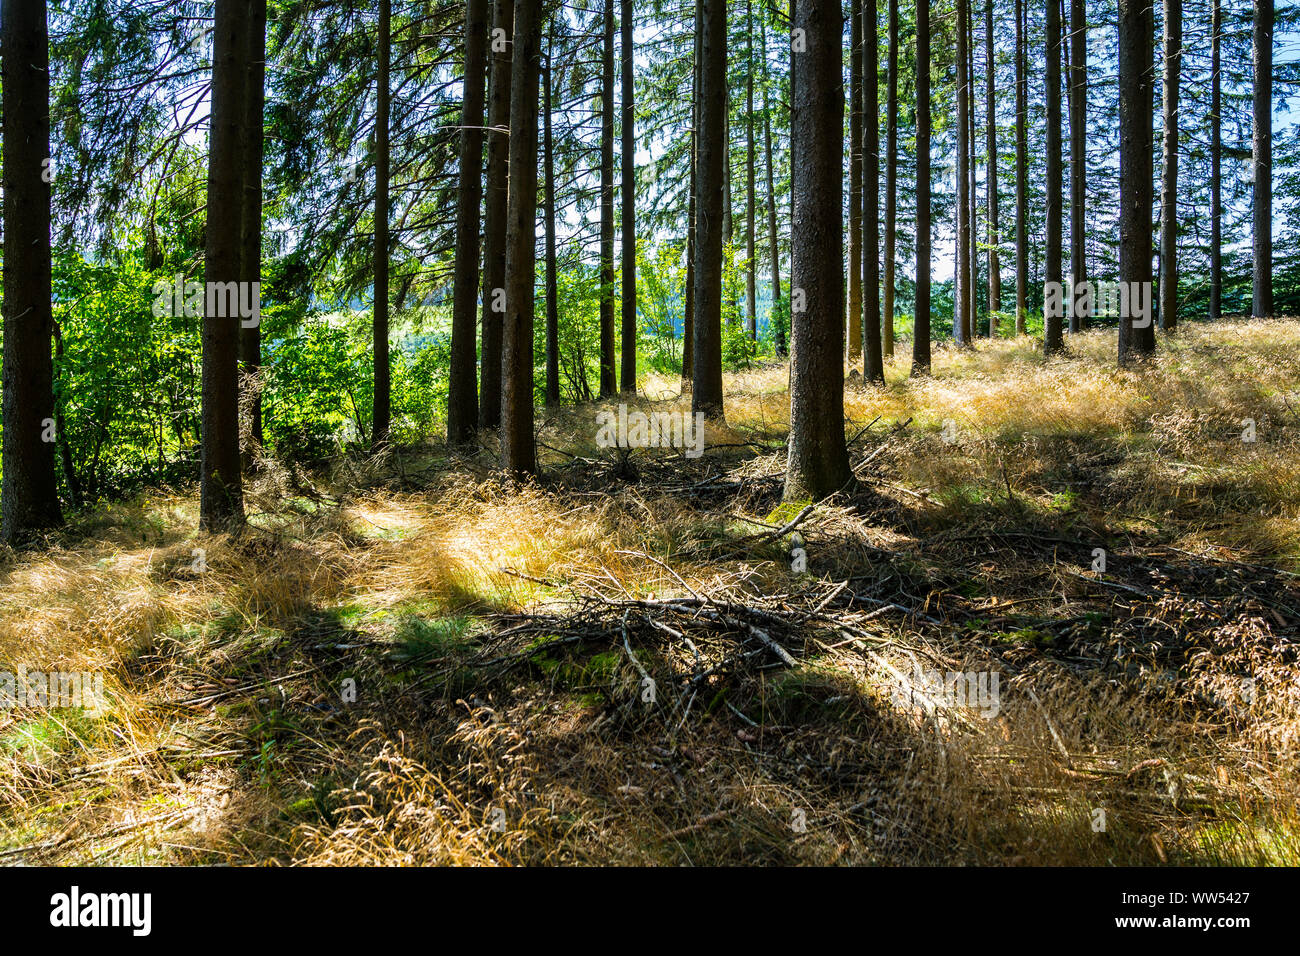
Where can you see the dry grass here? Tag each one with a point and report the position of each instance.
(499, 673)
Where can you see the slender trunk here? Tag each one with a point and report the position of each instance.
(1262, 144)
(552, 294)
(921, 321)
(494, 214)
(608, 372)
(891, 179)
(1136, 336)
(706, 392)
(972, 245)
(382, 389)
(1173, 16)
(818, 462)
(1022, 175)
(688, 320)
(29, 500)
(1216, 172)
(462, 384)
(1053, 340)
(751, 300)
(991, 147)
(518, 449)
(250, 335)
(961, 267)
(873, 362)
(1078, 161)
(627, 367)
(772, 239)
(221, 500)
(855, 257)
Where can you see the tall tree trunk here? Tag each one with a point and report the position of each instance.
(250, 336)
(706, 392)
(1078, 161)
(688, 319)
(921, 321)
(751, 299)
(29, 500)
(873, 361)
(1136, 336)
(494, 214)
(1022, 175)
(991, 147)
(518, 449)
(818, 462)
(772, 239)
(382, 389)
(972, 244)
(1262, 143)
(1053, 340)
(608, 372)
(627, 369)
(891, 179)
(854, 250)
(221, 500)
(1216, 164)
(462, 382)
(552, 294)
(961, 267)
(1173, 16)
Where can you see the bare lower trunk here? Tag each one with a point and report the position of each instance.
(250, 335)
(1136, 336)
(1022, 175)
(961, 265)
(382, 388)
(1053, 340)
(1078, 160)
(818, 460)
(627, 363)
(873, 360)
(462, 384)
(552, 295)
(608, 372)
(29, 499)
(1262, 143)
(1173, 15)
(221, 504)
(518, 449)
(1216, 166)
(494, 214)
(854, 251)
(991, 147)
(891, 180)
(706, 392)
(921, 321)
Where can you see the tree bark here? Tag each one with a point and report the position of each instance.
(494, 214)
(751, 299)
(706, 392)
(991, 147)
(873, 360)
(518, 449)
(1022, 175)
(1216, 165)
(627, 369)
(688, 318)
(29, 501)
(221, 504)
(854, 251)
(383, 399)
(250, 337)
(772, 239)
(921, 321)
(891, 180)
(1078, 161)
(818, 461)
(552, 295)
(608, 371)
(1136, 336)
(961, 266)
(1173, 16)
(1262, 147)
(462, 384)
(1053, 340)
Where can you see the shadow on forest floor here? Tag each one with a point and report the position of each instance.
(1055, 622)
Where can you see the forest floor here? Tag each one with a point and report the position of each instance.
(619, 664)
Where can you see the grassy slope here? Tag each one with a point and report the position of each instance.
(437, 591)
